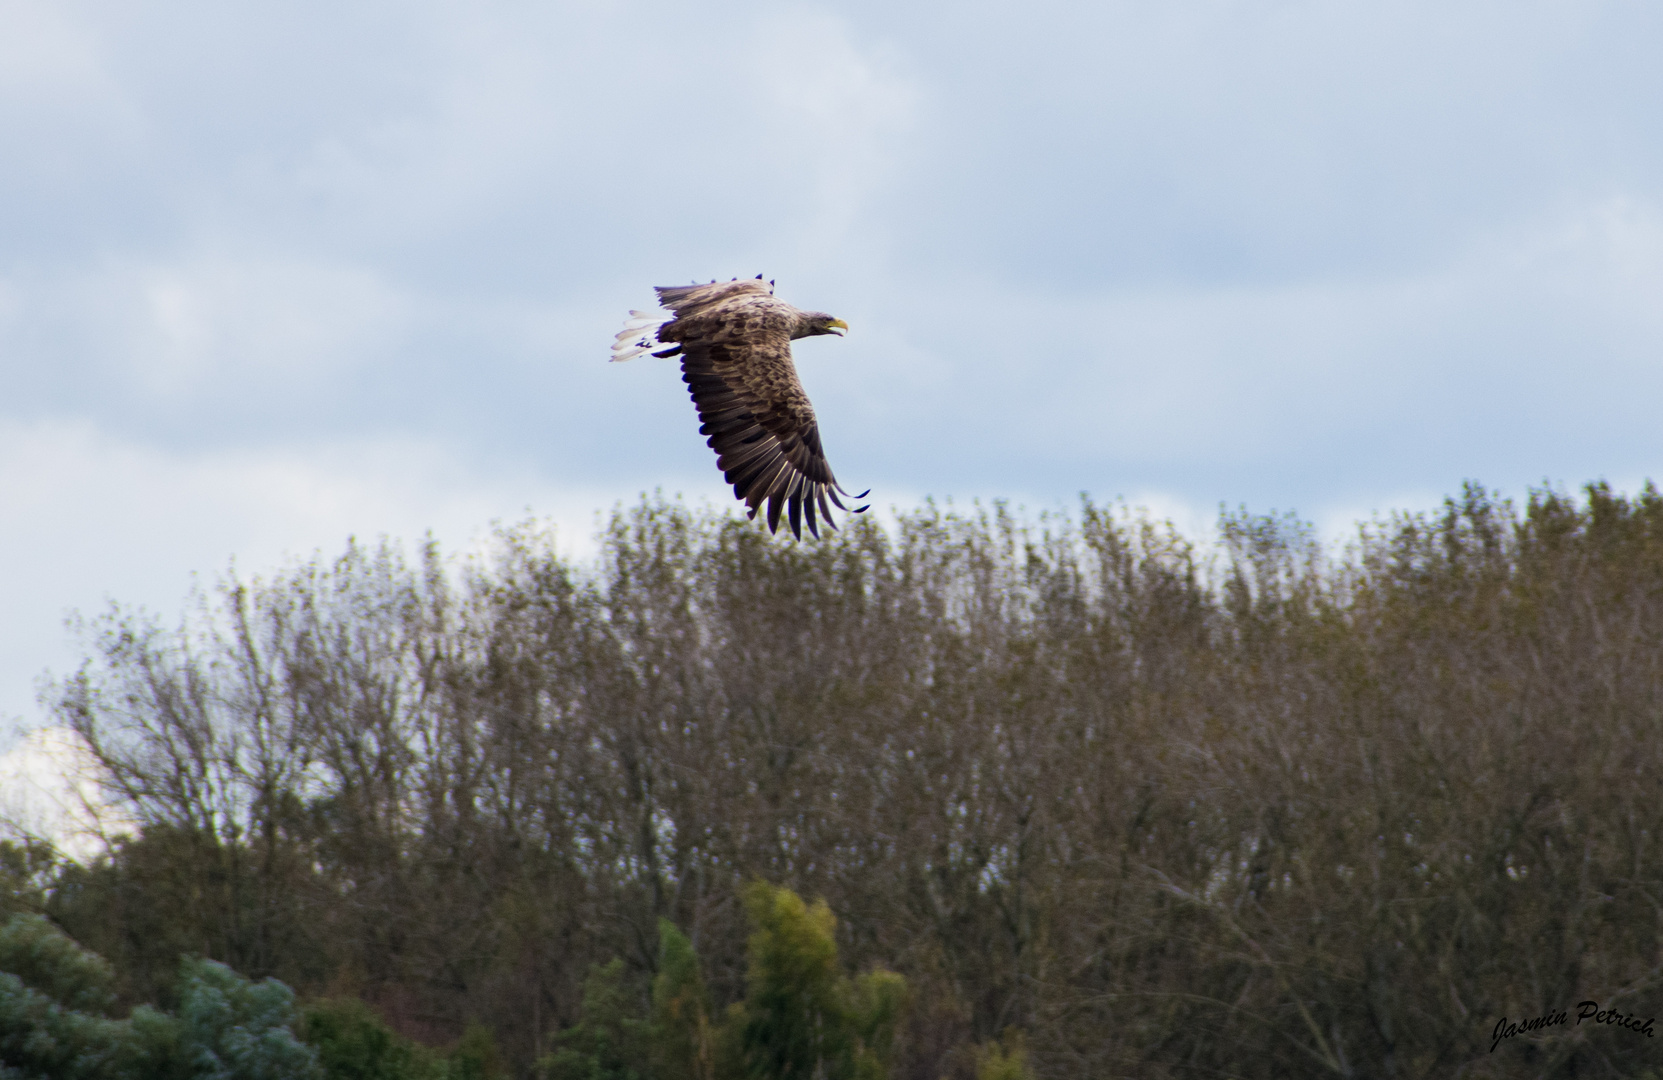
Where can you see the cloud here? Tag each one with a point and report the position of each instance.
(90, 518)
(291, 328)
(49, 788)
(272, 275)
(1528, 355)
(1126, 142)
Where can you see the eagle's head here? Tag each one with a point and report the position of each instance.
(813, 323)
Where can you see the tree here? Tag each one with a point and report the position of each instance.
(1256, 809)
(353, 1044)
(235, 1029)
(608, 1042)
(683, 1038)
(28, 869)
(1004, 1059)
(57, 1019)
(801, 1017)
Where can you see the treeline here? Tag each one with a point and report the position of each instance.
(58, 1022)
(800, 1019)
(1257, 811)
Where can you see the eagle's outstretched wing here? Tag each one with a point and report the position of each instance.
(734, 340)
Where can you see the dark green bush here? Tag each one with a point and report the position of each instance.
(353, 1044)
(58, 1022)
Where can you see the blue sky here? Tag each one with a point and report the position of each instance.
(272, 275)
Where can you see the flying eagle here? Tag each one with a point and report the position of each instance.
(734, 339)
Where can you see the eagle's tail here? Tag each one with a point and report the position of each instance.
(639, 335)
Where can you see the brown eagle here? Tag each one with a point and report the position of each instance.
(734, 339)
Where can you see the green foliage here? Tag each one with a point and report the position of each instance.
(683, 1038)
(608, 1042)
(27, 870)
(235, 1029)
(58, 1020)
(474, 1057)
(56, 1014)
(353, 1044)
(41, 1038)
(801, 1017)
(177, 890)
(1004, 1059)
(44, 959)
(792, 1013)
(54, 1019)
(875, 1006)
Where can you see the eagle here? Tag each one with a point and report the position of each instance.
(734, 339)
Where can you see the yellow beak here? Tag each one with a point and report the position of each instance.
(837, 324)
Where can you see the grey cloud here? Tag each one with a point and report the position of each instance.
(1304, 255)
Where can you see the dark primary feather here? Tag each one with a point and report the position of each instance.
(734, 339)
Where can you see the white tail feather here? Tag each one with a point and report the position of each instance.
(639, 335)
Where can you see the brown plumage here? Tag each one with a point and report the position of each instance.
(734, 339)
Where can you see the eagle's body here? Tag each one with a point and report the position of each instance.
(734, 339)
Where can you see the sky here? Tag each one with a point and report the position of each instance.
(274, 275)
